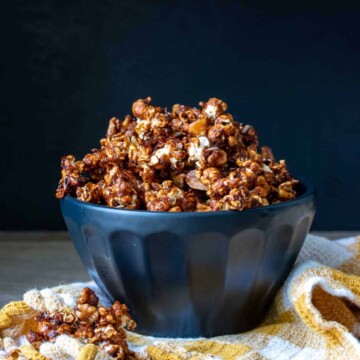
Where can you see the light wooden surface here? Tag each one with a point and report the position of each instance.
(41, 259)
(36, 260)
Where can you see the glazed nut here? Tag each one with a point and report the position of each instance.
(193, 179)
(199, 127)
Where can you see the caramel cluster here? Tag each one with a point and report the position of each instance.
(189, 159)
(90, 323)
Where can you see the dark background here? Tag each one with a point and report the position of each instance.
(291, 70)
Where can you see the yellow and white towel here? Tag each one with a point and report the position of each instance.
(316, 315)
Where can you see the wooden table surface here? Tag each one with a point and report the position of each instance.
(42, 259)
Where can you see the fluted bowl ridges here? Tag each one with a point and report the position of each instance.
(191, 274)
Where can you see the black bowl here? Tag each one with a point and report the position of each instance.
(191, 274)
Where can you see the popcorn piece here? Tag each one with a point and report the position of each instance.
(90, 192)
(196, 147)
(213, 108)
(216, 157)
(71, 176)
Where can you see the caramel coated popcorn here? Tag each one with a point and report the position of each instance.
(91, 323)
(189, 159)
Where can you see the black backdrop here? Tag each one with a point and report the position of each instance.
(291, 70)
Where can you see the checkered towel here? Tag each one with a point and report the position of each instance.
(314, 316)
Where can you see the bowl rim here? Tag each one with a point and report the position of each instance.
(308, 193)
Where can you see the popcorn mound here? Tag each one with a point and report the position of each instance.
(188, 159)
(90, 323)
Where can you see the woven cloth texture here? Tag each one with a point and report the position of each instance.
(315, 315)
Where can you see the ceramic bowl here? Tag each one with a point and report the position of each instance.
(191, 274)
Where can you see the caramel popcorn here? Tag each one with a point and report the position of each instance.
(188, 159)
(91, 324)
